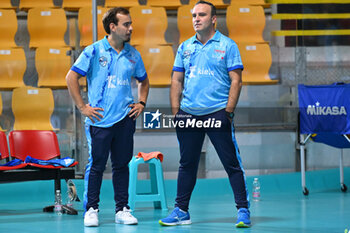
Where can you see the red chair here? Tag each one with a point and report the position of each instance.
(38, 144)
(4, 153)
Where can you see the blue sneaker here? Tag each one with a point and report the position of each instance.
(177, 217)
(243, 218)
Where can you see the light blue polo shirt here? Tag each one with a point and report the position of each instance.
(108, 76)
(206, 79)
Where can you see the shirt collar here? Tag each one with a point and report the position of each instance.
(106, 43)
(107, 46)
(216, 37)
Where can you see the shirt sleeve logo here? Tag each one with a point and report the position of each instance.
(187, 54)
(103, 61)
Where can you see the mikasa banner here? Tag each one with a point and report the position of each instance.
(324, 108)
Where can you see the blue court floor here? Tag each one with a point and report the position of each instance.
(283, 207)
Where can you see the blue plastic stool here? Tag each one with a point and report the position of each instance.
(157, 194)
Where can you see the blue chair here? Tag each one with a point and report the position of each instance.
(157, 194)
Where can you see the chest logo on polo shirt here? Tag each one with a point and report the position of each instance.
(219, 54)
(208, 72)
(192, 72)
(122, 82)
(103, 61)
(220, 51)
(113, 82)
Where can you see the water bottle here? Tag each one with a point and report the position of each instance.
(69, 199)
(58, 203)
(71, 193)
(256, 190)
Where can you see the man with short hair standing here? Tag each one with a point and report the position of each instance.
(108, 65)
(207, 73)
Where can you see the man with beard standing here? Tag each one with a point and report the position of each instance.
(109, 64)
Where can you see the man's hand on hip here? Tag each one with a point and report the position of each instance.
(136, 110)
(91, 112)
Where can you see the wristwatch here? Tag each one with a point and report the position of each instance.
(143, 103)
(230, 115)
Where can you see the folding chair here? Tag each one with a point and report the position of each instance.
(12, 67)
(245, 23)
(149, 24)
(4, 151)
(25, 5)
(46, 27)
(75, 5)
(159, 60)
(85, 25)
(5, 155)
(6, 4)
(167, 4)
(184, 22)
(32, 108)
(52, 65)
(8, 28)
(1, 130)
(219, 4)
(250, 2)
(121, 3)
(257, 61)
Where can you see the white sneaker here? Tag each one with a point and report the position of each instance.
(125, 217)
(91, 218)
